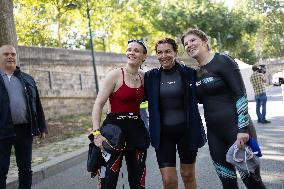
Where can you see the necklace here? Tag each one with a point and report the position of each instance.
(134, 76)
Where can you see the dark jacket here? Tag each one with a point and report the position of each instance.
(36, 115)
(196, 134)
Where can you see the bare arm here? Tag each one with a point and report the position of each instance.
(103, 95)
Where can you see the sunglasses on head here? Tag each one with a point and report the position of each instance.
(140, 41)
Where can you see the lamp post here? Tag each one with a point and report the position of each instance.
(92, 48)
(72, 6)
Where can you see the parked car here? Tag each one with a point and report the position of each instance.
(278, 78)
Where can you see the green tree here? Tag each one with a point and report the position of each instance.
(42, 23)
(226, 28)
(271, 33)
(33, 24)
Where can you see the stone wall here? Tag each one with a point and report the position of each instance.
(65, 77)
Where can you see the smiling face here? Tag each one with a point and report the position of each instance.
(195, 46)
(166, 55)
(8, 58)
(135, 54)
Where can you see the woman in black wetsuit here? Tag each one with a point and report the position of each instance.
(174, 120)
(221, 90)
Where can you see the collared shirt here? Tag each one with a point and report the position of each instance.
(257, 81)
(18, 103)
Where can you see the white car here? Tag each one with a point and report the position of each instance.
(278, 78)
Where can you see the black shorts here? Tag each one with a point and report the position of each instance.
(174, 139)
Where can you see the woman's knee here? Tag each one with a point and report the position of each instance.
(188, 171)
(169, 177)
(170, 180)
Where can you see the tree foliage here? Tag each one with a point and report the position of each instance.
(271, 32)
(55, 23)
(225, 28)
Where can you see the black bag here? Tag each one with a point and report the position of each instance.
(116, 138)
(95, 159)
(115, 144)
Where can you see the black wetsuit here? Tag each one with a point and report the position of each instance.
(221, 90)
(173, 121)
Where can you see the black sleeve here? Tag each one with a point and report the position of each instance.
(232, 76)
(146, 85)
(198, 97)
(40, 115)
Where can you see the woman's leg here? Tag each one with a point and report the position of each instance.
(225, 171)
(169, 177)
(187, 163)
(136, 167)
(166, 157)
(252, 180)
(112, 171)
(187, 172)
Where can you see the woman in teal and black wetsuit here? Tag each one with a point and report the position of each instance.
(221, 90)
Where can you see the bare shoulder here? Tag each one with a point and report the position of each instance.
(113, 74)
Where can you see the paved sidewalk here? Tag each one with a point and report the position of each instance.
(52, 158)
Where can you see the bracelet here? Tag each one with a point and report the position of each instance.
(96, 132)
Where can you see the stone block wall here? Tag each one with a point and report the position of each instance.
(65, 78)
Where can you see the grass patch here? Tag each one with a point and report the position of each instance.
(65, 127)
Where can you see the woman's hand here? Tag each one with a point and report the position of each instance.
(242, 138)
(98, 141)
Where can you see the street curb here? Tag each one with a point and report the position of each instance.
(52, 167)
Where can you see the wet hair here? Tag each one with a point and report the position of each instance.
(197, 32)
(168, 41)
(140, 42)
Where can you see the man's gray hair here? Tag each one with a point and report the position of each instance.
(6, 45)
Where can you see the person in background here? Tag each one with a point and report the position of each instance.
(174, 120)
(125, 90)
(221, 90)
(21, 117)
(258, 81)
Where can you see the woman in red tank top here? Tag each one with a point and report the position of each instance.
(124, 88)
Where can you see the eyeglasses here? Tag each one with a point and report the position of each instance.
(140, 41)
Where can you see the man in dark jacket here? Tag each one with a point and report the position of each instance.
(21, 117)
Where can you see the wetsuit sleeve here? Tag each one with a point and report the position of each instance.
(198, 97)
(230, 71)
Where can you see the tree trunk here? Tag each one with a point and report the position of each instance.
(7, 26)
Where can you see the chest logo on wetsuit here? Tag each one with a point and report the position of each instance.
(198, 83)
(207, 80)
(169, 82)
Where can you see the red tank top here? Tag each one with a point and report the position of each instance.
(126, 99)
